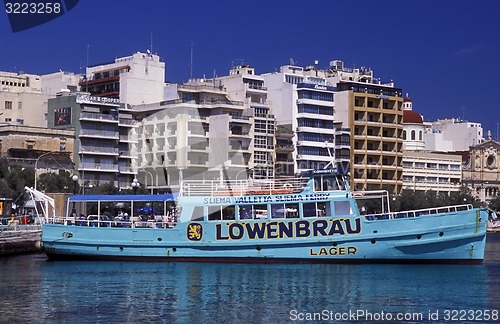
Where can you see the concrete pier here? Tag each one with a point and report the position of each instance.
(20, 239)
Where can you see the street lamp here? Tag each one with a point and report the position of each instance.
(36, 162)
(152, 181)
(75, 181)
(244, 170)
(135, 185)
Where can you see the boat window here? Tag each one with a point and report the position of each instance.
(329, 183)
(252, 211)
(342, 207)
(221, 213)
(315, 209)
(284, 210)
(197, 213)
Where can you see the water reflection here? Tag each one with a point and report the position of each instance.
(43, 291)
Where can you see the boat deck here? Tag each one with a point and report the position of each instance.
(242, 187)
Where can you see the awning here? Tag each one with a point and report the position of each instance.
(117, 198)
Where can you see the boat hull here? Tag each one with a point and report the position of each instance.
(457, 237)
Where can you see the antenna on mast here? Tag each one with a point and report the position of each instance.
(191, 43)
(151, 47)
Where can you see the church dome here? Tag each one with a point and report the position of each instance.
(412, 117)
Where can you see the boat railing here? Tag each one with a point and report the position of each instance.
(19, 225)
(242, 187)
(133, 222)
(420, 212)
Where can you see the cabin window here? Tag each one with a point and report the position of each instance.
(315, 209)
(284, 210)
(342, 207)
(216, 213)
(328, 183)
(197, 214)
(252, 211)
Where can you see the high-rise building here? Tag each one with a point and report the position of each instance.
(135, 79)
(373, 111)
(303, 102)
(244, 85)
(197, 133)
(105, 137)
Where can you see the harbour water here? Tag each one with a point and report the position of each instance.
(35, 290)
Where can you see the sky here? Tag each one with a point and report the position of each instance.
(444, 54)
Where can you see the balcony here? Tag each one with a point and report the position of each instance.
(98, 150)
(127, 122)
(98, 117)
(255, 88)
(99, 134)
(98, 167)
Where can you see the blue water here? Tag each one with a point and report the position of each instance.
(35, 290)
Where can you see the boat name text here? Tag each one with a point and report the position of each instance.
(265, 199)
(287, 229)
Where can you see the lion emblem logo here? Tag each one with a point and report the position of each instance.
(194, 232)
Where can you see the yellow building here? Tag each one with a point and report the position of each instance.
(374, 114)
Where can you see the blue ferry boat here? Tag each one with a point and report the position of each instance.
(309, 219)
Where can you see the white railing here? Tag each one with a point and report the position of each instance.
(420, 212)
(133, 222)
(241, 187)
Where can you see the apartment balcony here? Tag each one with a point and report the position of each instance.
(241, 120)
(315, 116)
(104, 118)
(314, 157)
(240, 134)
(128, 139)
(311, 129)
(364, 166)
(127, 155)
(98, 150)
(284, 148)
(98, 167)
(304, 101)
(92, 133)
(126, 170)
(208, 87)
(255, 88)
(127, 122)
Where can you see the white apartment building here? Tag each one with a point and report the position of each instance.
(23, 97)
(441, 173)
(243, 85)
(198, 133)
(452, 135)
(22, 101)
(134, 80)
(301, 99)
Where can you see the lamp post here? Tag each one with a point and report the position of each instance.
(244, 170)
(75, 181)
(135, 185)
(152, 181)
(38, 159)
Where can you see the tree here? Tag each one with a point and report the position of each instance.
(56, 182)
(495, 204)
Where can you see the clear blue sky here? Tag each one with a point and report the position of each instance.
(445, 54)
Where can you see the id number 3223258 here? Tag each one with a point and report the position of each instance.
(33, 7)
